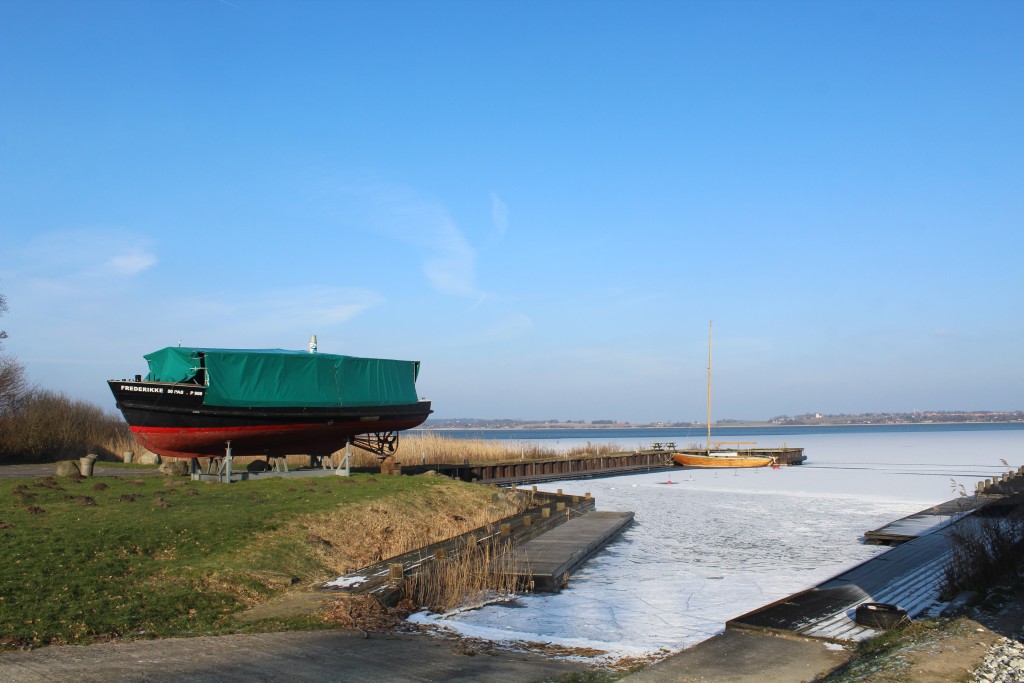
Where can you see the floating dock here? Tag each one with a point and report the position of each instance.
(545, 563)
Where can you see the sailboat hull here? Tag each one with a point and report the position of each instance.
(729, 459)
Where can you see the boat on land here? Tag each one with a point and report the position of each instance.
(717, 457)
(206, 402)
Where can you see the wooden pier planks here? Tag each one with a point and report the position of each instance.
(552, 469)
(546, 561)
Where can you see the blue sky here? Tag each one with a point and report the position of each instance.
(544, 202)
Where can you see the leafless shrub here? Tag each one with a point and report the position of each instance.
(47, 425)
(13, 385)
(986, 552)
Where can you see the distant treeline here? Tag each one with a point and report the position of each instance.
(924, 417)
(807, 419)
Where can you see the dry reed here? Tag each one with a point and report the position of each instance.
(463, 578)
(420, 449)
(435, 449)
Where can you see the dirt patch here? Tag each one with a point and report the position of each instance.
(948, 656)
(287, 605)
(946, 650)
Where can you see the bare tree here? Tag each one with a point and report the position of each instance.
(3, 309)
(13, 384)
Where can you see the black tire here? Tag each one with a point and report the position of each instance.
(881, 615)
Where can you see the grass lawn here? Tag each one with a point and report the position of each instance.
(152, 556)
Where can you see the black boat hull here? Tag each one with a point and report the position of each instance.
(172, 420)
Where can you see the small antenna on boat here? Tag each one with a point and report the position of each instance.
(312, 344)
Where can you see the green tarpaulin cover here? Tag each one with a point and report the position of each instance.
(276, 378)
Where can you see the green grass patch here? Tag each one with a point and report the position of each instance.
(151, 556)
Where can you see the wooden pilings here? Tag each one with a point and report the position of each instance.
(555, 468)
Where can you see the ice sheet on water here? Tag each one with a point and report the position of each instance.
(720, 543)
(695, 558)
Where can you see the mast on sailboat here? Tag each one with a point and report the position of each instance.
(711, 324)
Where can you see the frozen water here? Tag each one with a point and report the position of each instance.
(718, 543)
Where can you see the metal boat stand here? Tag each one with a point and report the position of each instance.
(220, 468)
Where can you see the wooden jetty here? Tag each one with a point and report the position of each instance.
(552, 469)
(545, 563)
(551, 511)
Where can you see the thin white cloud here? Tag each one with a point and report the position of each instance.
(448, 260)
(499, 214)
(284, 317)
(451, 268)
(513, 326)
(130, 262)
(66, 255)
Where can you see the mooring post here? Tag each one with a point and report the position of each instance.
(396, 572)
(227, 459)
(348, 455)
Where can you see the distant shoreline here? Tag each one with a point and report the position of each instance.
(535, 427)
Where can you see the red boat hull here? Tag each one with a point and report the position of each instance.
(171, 420)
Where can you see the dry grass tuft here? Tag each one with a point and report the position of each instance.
(360, 535)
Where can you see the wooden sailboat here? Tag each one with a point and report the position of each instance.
(720, 457)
